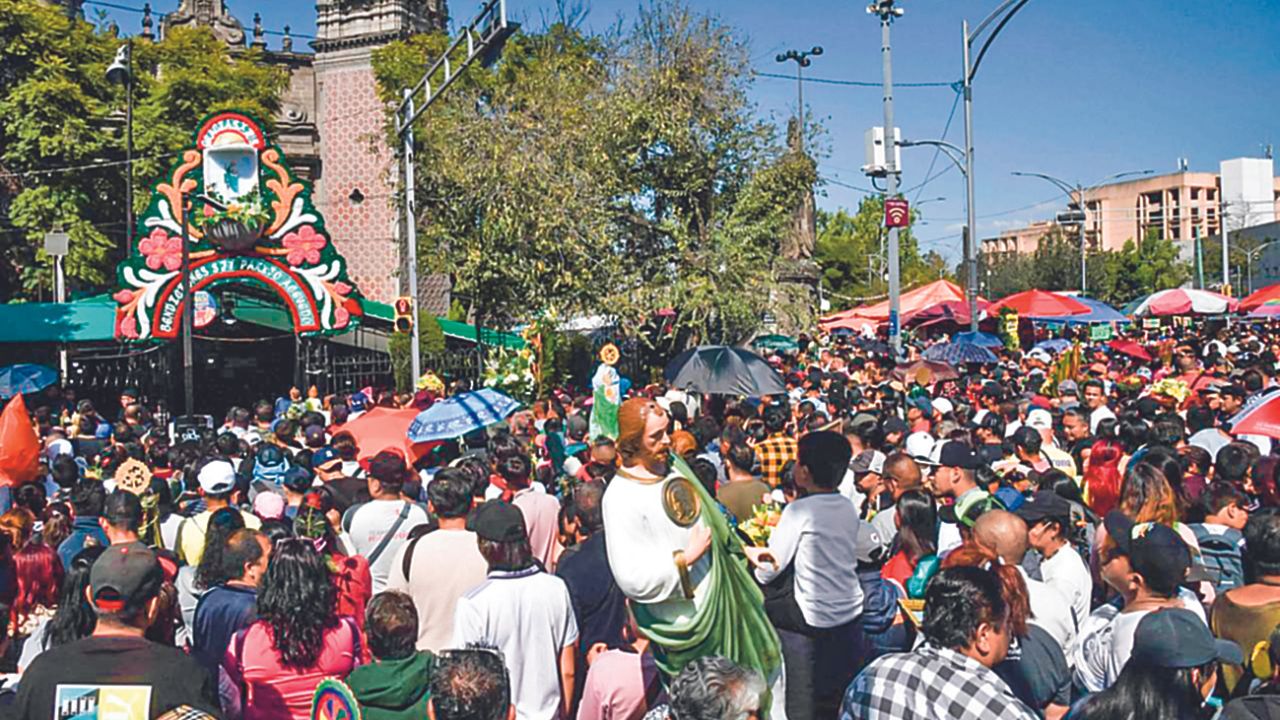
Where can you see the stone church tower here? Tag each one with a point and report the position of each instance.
(331, 124)
(358, 181)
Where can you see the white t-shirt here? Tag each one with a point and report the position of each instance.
(1067, 573)
(1051, 610)
(1126, 624)
(1099, 414)
(1095, 658)
(527, 615)
(445, 565)
(818, 535)
(368, 523)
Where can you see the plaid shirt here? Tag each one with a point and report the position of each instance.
(928, 684)
(773, 453)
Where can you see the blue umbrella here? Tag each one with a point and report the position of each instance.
(456, 416)
(1053, 345)
(960, 353)
(26, 379)
(978, 338)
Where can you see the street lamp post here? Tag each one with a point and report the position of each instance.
(887, 12)
(960, 158)
(1077, 193)
(1001, 16)
(801, 57)
(121, 71)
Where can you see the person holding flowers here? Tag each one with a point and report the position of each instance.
(809, 568)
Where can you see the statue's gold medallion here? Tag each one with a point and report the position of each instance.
(680, 501)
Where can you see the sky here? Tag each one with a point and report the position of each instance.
(1079, 89)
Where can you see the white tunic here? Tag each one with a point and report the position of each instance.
(641, 541)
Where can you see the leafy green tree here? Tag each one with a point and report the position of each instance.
(1146, 266)
(850, 251)
(57, 111)
(617, 175)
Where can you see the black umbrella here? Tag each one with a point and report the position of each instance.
(723, 370)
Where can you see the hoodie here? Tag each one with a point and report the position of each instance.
(393, 689)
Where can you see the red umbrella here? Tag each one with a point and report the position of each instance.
(1040, 303)
(1130, 348)
(1263, 418)
(386, 428)
(1258, 298)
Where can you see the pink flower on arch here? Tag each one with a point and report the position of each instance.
(304, 246)
(129, 327)
(341, 317)
(161, 250)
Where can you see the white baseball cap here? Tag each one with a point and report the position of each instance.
(217, 478)
(943, 406)
(1040, 354)
(1040, 419)
(920, 447)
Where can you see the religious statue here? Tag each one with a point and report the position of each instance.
(606, 386)
(673, 555)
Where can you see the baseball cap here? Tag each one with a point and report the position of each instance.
(1041, 355)
(324, 456)
(943, 405)
(920, 446)
(871, 547)
(1155, 551)
(992, 389)
(923, 404)
(269, 506)
(1068, 387)
(386, 465)
(868, 461)
(1040, 419)
(969, 508)
(1045, 504)
(124, 577)
(956, 454)
(217, 477)
(1178, 638)
(497, 521)
(297, 478)
(894, 425)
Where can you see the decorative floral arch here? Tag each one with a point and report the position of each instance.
(270, 236)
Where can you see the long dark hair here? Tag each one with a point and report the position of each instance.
(75, 617)
(1144, 690)
(918, 514)
(298, 600)
(212, 571)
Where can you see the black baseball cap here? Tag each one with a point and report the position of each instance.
(894, 425)
(297, 478)
(125, 577)
(497, 521)
(1155, 551)
(1045, 504)
(1178, 638)
(956, 454)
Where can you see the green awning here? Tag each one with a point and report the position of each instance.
(452, 328)
(89, 320)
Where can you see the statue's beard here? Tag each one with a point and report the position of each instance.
(652, 459)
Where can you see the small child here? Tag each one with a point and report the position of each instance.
(882, 623)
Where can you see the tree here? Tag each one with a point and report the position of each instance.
(850, 251)
(62, 135)
(1149, 265)
(614, 174)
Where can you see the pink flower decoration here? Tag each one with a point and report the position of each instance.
(342, 288)
(304, 246)
(161, 250)
(129, 327)
(341, 317)
(123, 296)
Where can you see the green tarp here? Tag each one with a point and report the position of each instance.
(93, 320)
(89, 320)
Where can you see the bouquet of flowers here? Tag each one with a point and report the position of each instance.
(764, 518)
(1171, 388)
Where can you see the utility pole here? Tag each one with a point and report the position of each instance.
(481, 39)
(184, 309)
(887, 12)
(121, 71)
(802, 61)
(1226, 235)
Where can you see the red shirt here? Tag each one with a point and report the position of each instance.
(355, 586)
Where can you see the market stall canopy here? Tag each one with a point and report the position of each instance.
(780, 343)
(89, 320)
(926, 372)
(453, 328)
(1040, 304)
(1268, 309)
(1130, 348)
(955, 310)
(1053, 345)
(1258, 298)
(723, 370)
(911, 302)
(1099, 312)
(1185, 301)
(1262, 417)
(456, 416)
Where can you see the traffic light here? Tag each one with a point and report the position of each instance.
(404, 315)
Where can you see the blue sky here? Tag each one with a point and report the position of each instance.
(1079, 89)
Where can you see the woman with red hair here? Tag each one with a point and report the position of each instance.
(1102, 477)
(39, 578)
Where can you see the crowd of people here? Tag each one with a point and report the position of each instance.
(1064, 534)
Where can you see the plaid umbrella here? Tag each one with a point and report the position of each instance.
(958, 353)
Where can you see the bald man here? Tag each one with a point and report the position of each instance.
(1005, 534)
(901, 473)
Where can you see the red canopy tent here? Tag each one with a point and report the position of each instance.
(910, 304)
(1041, 303)
(1260, 297)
